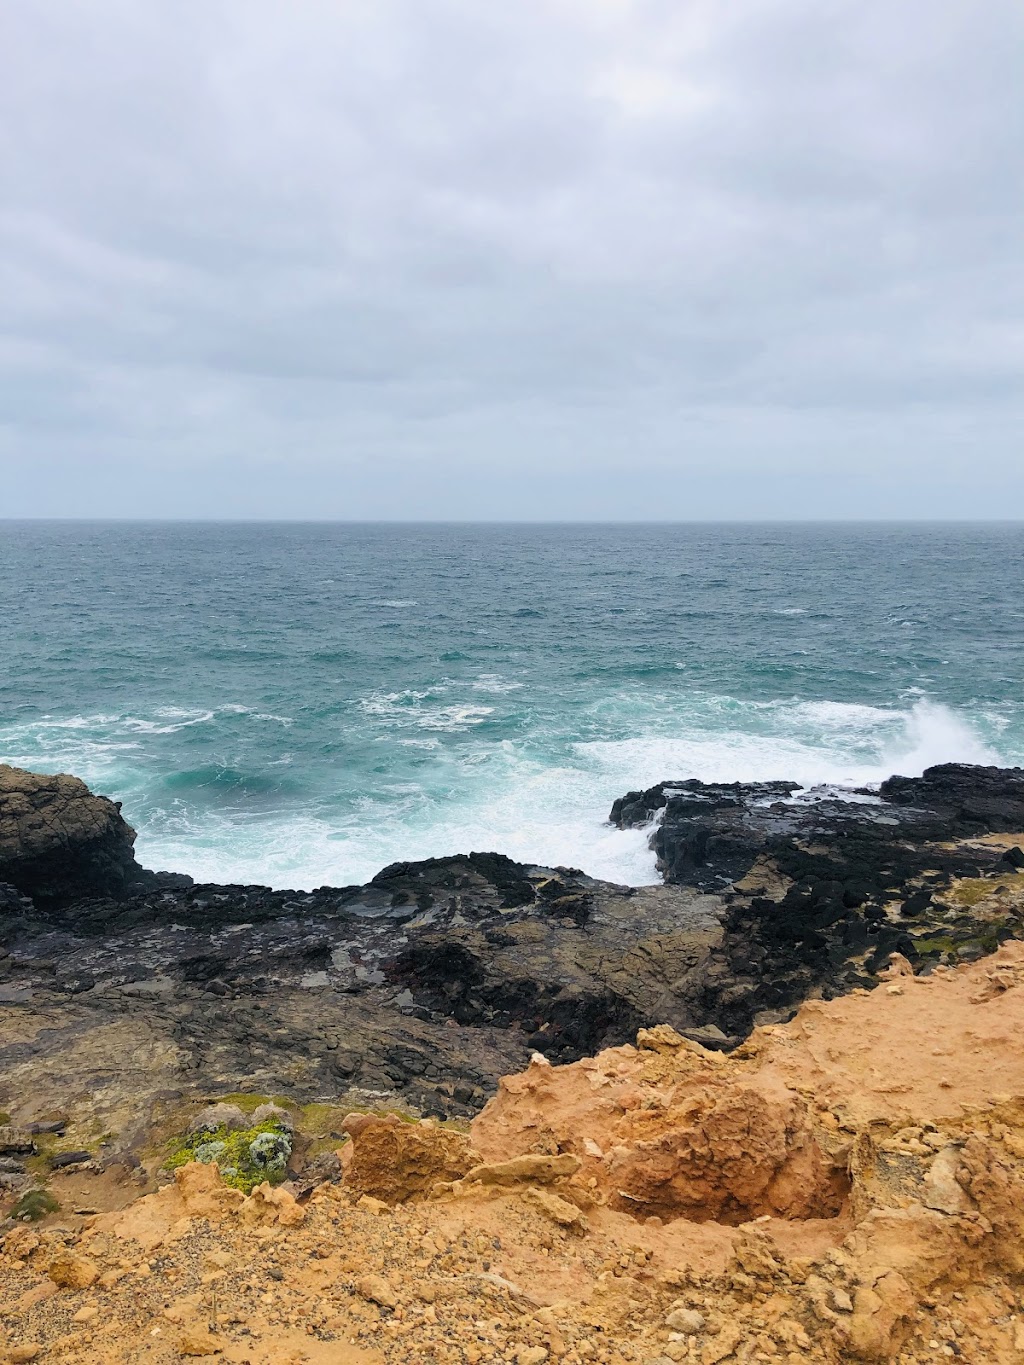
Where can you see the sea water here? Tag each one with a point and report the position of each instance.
(301, 704)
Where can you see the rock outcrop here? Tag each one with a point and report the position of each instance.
(820, 888)
(428, 983)
(59, 843)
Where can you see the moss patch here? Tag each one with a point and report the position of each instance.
(245, 1157)
(970, 890)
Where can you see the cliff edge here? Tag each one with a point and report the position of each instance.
(845, 1187)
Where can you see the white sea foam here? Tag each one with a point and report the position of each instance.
(553, 817)
(421, 710)
(170, 719)
(494, 682)
(811, 743)
(538, 799)
(556, 813)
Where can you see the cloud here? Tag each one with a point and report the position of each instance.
(570, 258)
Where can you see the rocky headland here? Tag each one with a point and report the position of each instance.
(714, 1161)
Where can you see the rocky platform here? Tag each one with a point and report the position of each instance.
(424, 986)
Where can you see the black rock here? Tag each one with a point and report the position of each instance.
(62, 1159)
(844, 861)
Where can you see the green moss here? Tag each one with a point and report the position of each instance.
(985, 942)
(33, 1205)
(5, 1118)
(970, 890)
(935, 944)
(245, 1157)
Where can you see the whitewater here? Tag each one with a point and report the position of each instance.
(301, 705)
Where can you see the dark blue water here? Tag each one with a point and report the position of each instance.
(302, 704)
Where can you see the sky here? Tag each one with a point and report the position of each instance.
(555, 259)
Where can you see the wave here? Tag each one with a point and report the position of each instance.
(229, 782)
(552, 808)
(169, 720)
(422, 772)
(494, 682)
(813, 743)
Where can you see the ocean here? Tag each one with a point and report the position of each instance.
(300, 704)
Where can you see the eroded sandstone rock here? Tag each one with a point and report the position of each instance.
(392, 1161)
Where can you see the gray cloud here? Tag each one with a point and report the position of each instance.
(564, 258)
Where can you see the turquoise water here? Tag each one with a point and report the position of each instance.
(302, 704)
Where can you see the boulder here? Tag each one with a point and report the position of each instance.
(394, 1161)
(59, 842)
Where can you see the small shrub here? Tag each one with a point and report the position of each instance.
(33, 1205)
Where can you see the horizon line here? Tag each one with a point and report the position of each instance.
(513, 521)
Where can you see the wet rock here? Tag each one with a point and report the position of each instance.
(13, 904)
(810, 880)
(966, 798)
(437, 977)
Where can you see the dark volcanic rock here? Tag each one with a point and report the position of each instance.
(712, 835)
(59, 842)
(426, 984)
(968, 799)
(821, 888)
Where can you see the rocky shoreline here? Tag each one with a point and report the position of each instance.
(437, 977)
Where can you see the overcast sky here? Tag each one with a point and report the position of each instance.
(549, 258)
